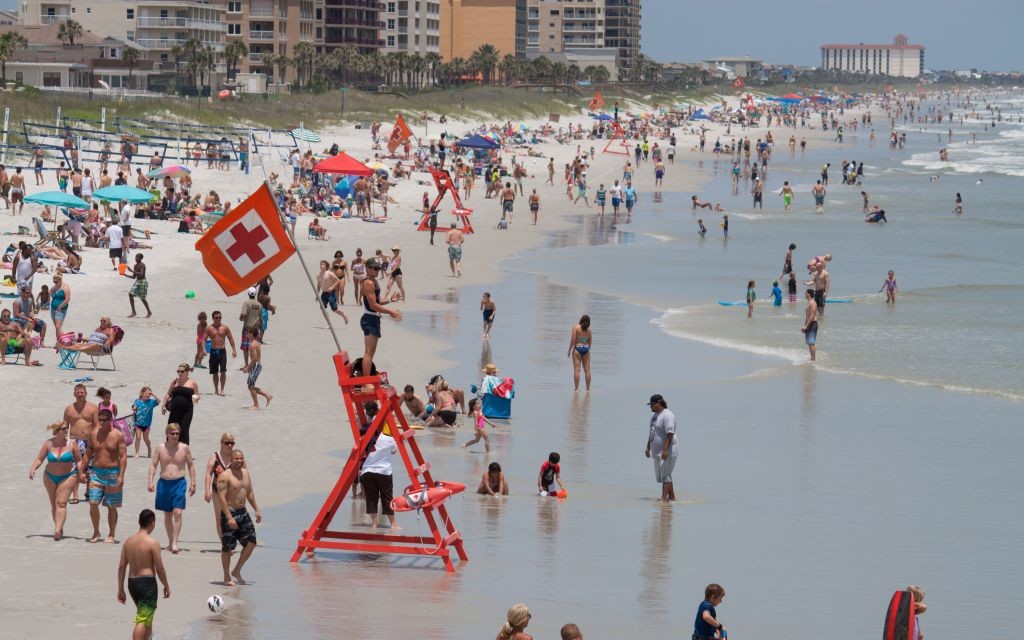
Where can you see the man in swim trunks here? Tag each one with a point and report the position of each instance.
(454, 240)
(17, 191)
(106, 478)
(140, 560)
(141, 287)
(327, 285)
(810, 328)
(534, 205)
(417, 408)
(821, 281)
(82, 417)
(217, 333)
(234, 486)
(818, 191)
(508, 199)
(787, 195)
(172, 456)
(488, 308)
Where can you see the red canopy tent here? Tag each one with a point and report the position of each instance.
(792, 96)
(343, 164)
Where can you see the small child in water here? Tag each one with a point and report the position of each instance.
(890, 287)
(493, 482)
(792, 286)
(478, 422)
(701, 229)
(777, 294)
(751, 297)
(200, 341)
(549, 480)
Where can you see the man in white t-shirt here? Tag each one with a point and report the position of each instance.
(115, 244)
(375, 475)
(127, 213)
(662, 446)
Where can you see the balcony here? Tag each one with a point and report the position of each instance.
(164, 44)
(355, 4)
(261, 35)
(257, 58)
(180, 23)
(343, 39)
(261, 13)
(53, 19)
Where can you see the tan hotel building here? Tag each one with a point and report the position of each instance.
(468, 24)
(896, 59)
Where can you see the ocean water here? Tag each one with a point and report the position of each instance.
(957, 320)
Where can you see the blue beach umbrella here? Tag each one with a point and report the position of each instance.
(123, 192)
(57, 199)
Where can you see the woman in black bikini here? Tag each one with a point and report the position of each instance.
(395, 277)
(179, 399)
(340, 269)
(217, 464)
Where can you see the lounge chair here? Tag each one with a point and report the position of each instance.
(68, 361)
(45, 237)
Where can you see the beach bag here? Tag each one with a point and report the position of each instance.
(899, 619)
(126, 425)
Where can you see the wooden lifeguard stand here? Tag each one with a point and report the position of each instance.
(444, 184)
(356, 391)
(618, 133)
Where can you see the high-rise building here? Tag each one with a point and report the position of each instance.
(273, 28)
(413, 26)
(622, 31)
(468, 24)
(896, 59)
(570, 31)
(353, 22)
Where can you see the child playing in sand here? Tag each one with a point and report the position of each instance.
(43, 299)
(478, 421)
(890, 287)
(104, 395)
(550, 475)
(143, 408)
(493, 483)
(200, 341)
(751, 297)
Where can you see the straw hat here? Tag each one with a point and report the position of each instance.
(395, 248)
(490, 369)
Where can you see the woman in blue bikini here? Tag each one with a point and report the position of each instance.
(63, 461)
(579, 350)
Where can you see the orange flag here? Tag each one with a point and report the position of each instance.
(247, 244)
(738, 83)
(596, 102)
(399, 134)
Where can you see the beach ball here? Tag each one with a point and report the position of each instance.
(190, 294)
(215, 603)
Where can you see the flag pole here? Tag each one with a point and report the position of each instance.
(302, 261)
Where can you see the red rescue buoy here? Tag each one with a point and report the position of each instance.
(427, 498)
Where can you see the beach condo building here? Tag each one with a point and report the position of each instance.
(353, 22)
(270, 29)
(897, 59)
(734, 67)
(412, 26)
(571, 32)
(468, 24)
(622, 32)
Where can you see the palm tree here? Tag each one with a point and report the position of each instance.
(10, 42)
(432, 60)
(508, 68)
(302, 57)
(68, 31)
(130, 56)
(600, 75)
(416, 67)
(485, 59)
(233, 52)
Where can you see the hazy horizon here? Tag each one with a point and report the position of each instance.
(789, 31)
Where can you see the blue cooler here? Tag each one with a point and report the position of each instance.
(496, 407)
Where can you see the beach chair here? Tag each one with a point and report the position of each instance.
(45, 237)
(69, 361)
(10, 351)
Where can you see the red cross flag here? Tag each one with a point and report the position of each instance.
(399, 134)
(247, 244)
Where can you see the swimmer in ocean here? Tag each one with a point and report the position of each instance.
(488, 308)
(787, 195)
(580, 343)
(876, 215)
(701, 229)
(959, 208)
(890, 287)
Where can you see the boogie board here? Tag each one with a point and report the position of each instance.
(899, 619)
(732, 304)
(837, 300)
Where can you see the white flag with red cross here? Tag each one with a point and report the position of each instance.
(247, 244)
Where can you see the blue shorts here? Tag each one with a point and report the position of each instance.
(170, 494)
(616, 202)
(102, 481)
(59, 315)
(370, 324)
(811, 335)
(329, 299)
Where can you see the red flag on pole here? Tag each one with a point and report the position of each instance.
(247, 244)
(399, 134)
(596, 102)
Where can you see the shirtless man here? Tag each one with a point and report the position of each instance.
(17, 191)
(787, 195)
(551, 172)
(810, 328)
(417, 408)
(327, 285)
(454, 240)
(234, 487)
(821, 281)
(5, 186)
(140, 560)
(141, 286)
(697, 204)
(172, 456)
(255, 367)
(106, 477)
(508, 198)
(818, 191)
(83, 418)
(217, 333)
(76, 182)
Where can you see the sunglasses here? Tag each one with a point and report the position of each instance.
(230, 443)
(104, 419)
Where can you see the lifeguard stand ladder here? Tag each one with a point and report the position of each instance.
(618, 133)
(443, 182)
(355, 391)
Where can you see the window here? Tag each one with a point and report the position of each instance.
(234, 29)
(234, 7)
(391, 24)
(131, 14)
(19, 77)
(163, 13)
(391, 41)
(130, 35)
(391, 7)
(113, 53)
(52, 78)
(319, 14)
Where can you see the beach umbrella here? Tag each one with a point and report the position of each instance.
(477, 142)
(602, 116)
(343, 164)
(305, 135)
(57, 199)
(174, 171)
(123, 192)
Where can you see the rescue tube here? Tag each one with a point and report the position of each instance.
(412, 500)
(899, 619)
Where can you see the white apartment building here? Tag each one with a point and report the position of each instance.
(570, 31)
(896, 59)
(412, 26)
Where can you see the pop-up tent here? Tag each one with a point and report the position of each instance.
(699, 115)
(343, 164)
(477, 142)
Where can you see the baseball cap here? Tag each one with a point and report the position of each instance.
(657, 399)
(252, 292)
(373, 263)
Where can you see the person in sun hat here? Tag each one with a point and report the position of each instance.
(662, 446)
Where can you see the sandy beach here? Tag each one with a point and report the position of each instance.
(296, 447)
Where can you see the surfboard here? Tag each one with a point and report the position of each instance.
(899, 618)
(732, 304)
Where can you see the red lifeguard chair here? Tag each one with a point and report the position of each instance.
(443, 181)
(617, 134)
(355, 391)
